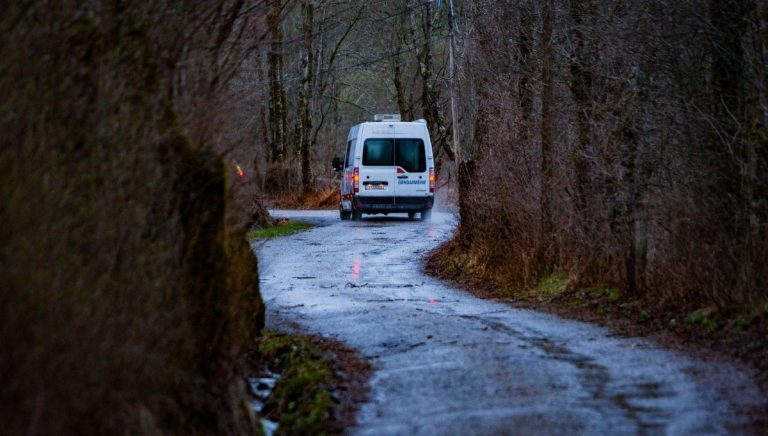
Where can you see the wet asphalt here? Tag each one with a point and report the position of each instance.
(446, 362)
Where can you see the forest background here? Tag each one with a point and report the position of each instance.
(608, 145)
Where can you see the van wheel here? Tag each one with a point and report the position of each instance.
(411, 215)
(426, 215)
(344, 215)
(356, 215)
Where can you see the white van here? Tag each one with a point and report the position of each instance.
(388, 168)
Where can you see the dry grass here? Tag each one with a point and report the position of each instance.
(325, 197)
(657, 187)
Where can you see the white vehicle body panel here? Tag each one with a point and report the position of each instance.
(383, 185)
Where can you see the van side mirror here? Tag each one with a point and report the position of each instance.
(337, 164)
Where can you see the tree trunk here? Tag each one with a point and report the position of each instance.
(633, 192)
(397, 79)
(466, 176)
(730, 147)
(430, 95)
(758, 169)
(307, 82)
(524, 49)
(400, 35)
(278, 143)
(547, 133)
(581, 68)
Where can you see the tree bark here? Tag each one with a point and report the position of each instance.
(430, 97)
(403, 104)
(547, 133)
(581, 68)
(278, 144)
(307, 83)
(730, 146)
(397, 79)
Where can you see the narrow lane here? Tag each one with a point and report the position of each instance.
(447, 362)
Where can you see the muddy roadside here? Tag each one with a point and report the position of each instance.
(305, 384)
(707, 334)
(300, 383)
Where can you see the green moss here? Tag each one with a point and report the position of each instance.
(301, 402)
(283, 229)
(643, 315)
(705, 318)
(458, 265)
(552, 284)
(601, 290)
(711, 319)
(740, 323)
(509, 292)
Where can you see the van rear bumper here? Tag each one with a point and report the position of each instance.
(393, 204)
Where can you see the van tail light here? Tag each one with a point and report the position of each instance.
(432, 180)
(356, 180)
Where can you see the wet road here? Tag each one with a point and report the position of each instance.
(449, 363)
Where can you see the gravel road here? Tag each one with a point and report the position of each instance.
(446, 362)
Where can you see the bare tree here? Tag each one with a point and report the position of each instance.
(278, 124)
(305, 96)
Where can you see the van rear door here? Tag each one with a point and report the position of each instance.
(412, 174)
(377, 175)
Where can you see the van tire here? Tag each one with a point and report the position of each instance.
(426, 215)
(411, 215)
(356, 215)
(344, 215)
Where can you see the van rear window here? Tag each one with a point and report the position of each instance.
(378, 152)
(407, 153)
(410, 155)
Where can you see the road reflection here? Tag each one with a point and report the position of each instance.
(356, 267)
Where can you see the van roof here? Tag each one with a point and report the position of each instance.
(393, 123)
(367, 129)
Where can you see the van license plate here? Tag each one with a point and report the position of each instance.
(375, 187)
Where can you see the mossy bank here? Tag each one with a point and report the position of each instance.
(320, 383)
(129, 296)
